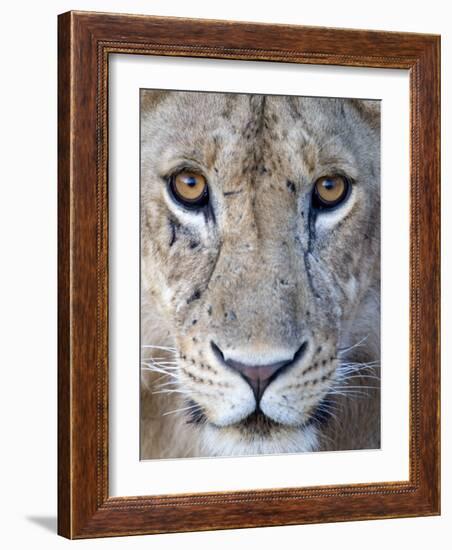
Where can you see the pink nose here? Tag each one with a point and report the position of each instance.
(259, 376)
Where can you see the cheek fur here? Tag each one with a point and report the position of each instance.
(223, 397)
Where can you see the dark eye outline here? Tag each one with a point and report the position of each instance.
(195, 204)
(320, 204)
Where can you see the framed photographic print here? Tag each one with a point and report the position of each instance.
(248, 275)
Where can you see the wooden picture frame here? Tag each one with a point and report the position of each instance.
(85, 42)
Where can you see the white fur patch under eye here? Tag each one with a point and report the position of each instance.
(327, 219)
(186, 217)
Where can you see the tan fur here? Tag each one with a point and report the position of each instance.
(259, 273)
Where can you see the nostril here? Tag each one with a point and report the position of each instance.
(300, 351)
(258, 376)
(217, 352)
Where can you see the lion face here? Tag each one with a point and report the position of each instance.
(260, 240)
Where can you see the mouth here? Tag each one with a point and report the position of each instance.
(260, 424)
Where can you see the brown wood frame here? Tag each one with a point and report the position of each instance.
(85, 41)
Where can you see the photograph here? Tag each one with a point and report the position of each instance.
(260, 274)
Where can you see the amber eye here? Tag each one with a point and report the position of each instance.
(189, 188)
(329, 191)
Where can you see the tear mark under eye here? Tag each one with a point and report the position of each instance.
(290, 186)
(174, 226)
(209, 214)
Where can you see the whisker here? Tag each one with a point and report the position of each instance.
(347, 387)
(161, 365)
(162, 369)
(183, 409)
(356, 370)
(168, 382)
(166, 348)
(346, 350)
(351, 394)
(322, 434)
(153, 368)
(360, 366)
(346, 376)
(330, 411)
(157, 358)
(162, 385)
(168, 390)
(328, 406)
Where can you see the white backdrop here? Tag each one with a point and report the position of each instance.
(128, 476)
(28, 270)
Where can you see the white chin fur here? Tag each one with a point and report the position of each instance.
(224, 416)
(230, 441)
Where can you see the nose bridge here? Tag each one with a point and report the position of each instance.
(259, 243)
(268, 273)
(260, 264)
(258, 308)
(270, 259)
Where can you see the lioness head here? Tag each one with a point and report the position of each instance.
(260, 245)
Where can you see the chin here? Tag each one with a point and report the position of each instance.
(257, 435)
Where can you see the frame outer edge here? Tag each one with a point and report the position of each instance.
(433, 168)
(64, 276)
(426, 232)
(82, 511)
(438, 175)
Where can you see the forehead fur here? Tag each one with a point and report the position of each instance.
(235, 133)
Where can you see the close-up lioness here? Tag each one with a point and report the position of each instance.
(260, 273)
